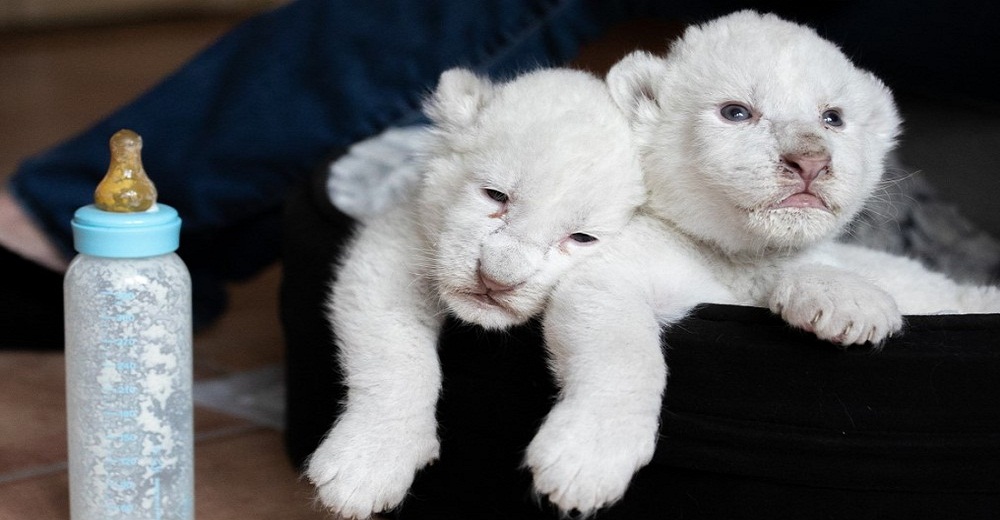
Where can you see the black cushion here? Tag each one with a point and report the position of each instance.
(759, 420)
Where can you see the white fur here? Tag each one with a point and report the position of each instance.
(721, 182)
(602, 332)
(718, 180)
(718, 229)
(555, 143)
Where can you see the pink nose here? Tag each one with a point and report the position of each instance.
(806, 166)
(494, 285)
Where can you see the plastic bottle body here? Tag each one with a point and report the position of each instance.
(128, 388)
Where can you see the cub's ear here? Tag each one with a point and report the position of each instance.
(458, 98)
(634, 82)
(885, 120)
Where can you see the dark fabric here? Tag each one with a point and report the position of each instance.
(313, 235)
(759, 421)
(31, 305)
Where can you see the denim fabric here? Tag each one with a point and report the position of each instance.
(227, 134)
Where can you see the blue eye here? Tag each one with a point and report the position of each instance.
(736, 112)
(833, 118)
(583, 238)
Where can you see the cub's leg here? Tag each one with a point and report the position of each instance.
(387, 329)
(605, 353)
(602, 332)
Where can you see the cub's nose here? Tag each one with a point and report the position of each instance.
(494, 285)
(807, 166)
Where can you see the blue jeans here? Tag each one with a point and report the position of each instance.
(227, 134)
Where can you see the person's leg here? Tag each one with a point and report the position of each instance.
(233, 128)
(228, 133)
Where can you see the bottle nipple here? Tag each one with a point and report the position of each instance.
(125, 188)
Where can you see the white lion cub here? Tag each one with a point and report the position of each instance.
(523, 179)
(759, 141)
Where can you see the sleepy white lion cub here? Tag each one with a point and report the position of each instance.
(523, 179)
(759, 141)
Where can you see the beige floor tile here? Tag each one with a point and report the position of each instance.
(32, 410)
(41, 498)
(250, 477)
(248, 336)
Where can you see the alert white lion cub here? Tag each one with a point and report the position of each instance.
(523, 179)
(759, 141)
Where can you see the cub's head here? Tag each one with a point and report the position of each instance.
(755, 133)
(523, 180)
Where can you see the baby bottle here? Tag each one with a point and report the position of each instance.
(128, 352)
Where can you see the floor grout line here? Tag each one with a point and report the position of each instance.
(256, 395)
(34, 472)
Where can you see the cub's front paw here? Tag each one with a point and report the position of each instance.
(584, 459)
(362, 468)
(836, 306)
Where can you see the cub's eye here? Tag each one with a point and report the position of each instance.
(833, 118)
(583, 238)
(496, 195)
(736, 112)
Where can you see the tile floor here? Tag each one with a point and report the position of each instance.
(52, 85)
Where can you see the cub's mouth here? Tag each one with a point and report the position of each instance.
(488, 300)
(802, 200)
(490, 310)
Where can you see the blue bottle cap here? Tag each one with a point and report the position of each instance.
(153, 232)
